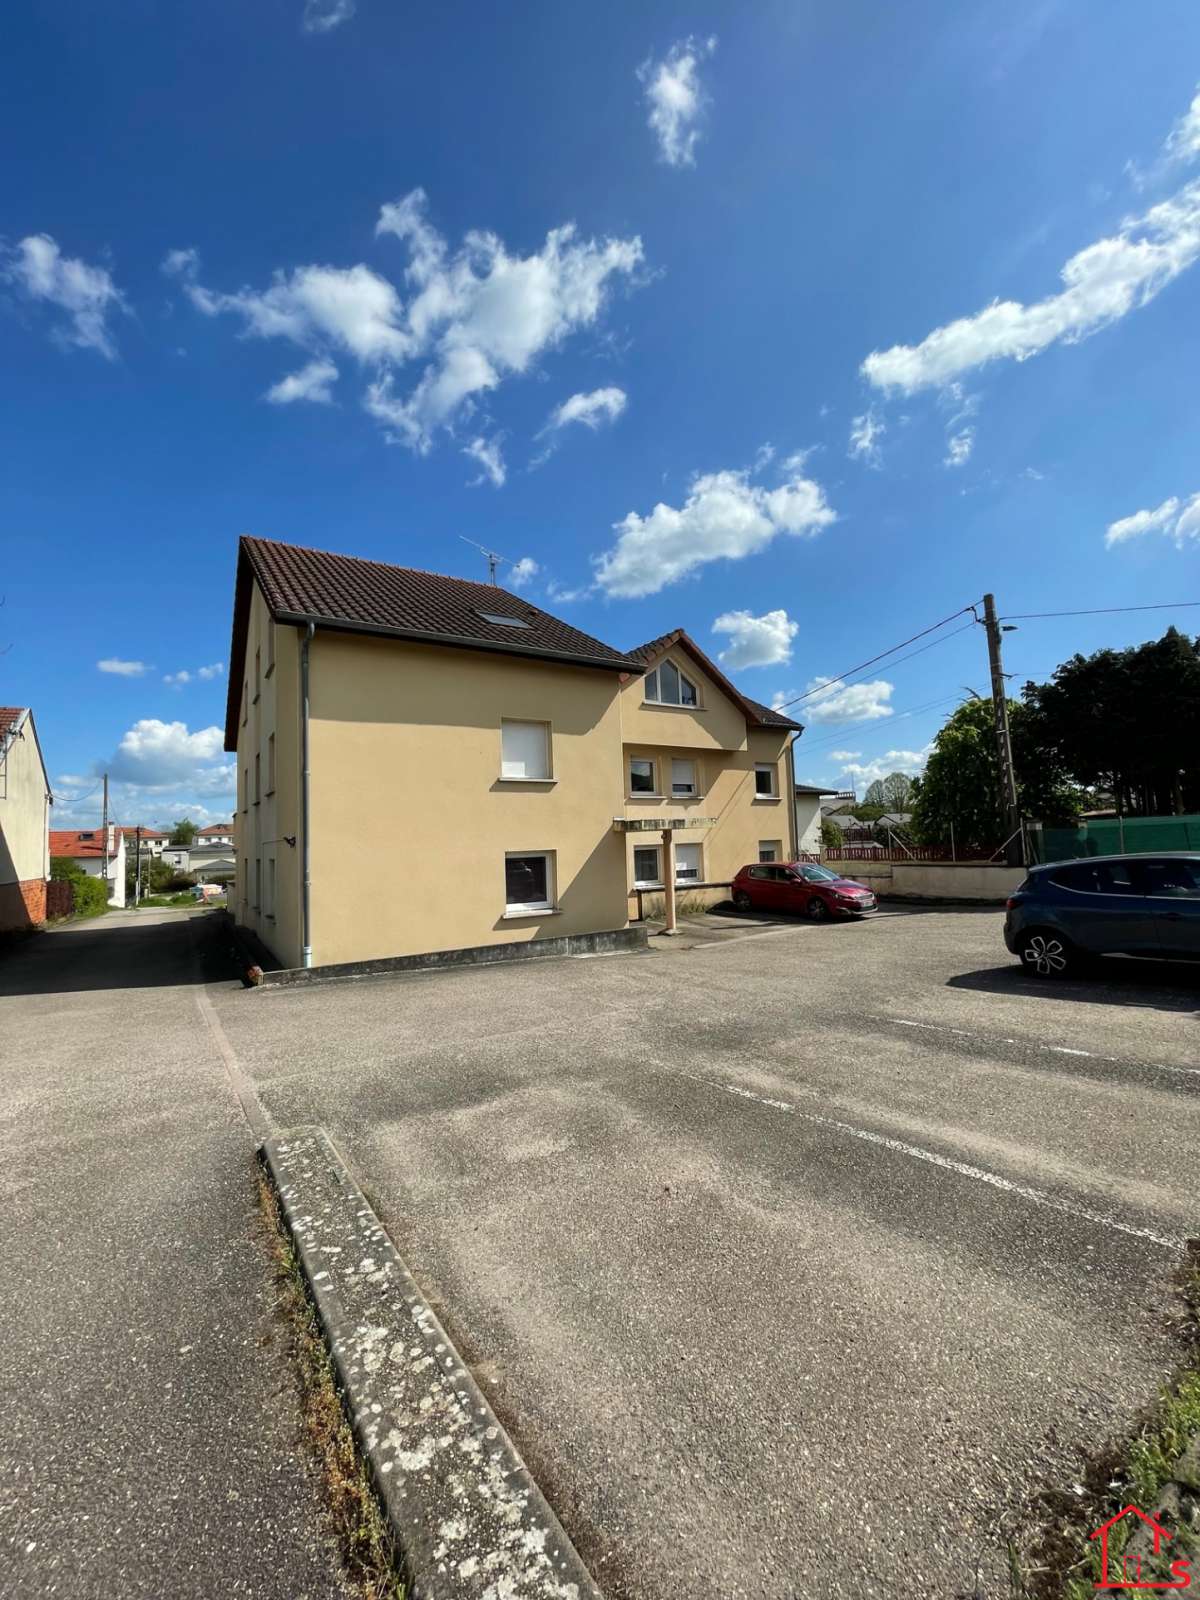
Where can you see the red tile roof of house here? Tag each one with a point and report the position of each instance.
(79, 843)
(356, 596)
(758, 715)
(8, 716)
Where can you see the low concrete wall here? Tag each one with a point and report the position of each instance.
(933, 880)
(482, 955)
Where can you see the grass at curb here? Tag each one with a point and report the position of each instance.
(1062, 1562)
(372, 1560)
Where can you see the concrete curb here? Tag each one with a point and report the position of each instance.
(469, 1519)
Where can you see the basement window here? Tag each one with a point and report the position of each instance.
(528, 883)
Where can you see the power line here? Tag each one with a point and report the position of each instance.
(846, 731)
(842, 676)
(1099, 611)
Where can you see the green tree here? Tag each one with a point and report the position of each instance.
(959, 793)
(89, 896)
(184, 831)
(893, 793)
(831, 834)
(1128, 722)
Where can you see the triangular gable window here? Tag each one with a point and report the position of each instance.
(667, 686)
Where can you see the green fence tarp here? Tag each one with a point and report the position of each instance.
(1115, 837)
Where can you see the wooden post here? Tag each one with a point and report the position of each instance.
(668, 850)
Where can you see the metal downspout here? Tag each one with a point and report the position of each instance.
(305, 850)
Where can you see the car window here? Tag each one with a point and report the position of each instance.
(1176, 880)
(758, 872)
(817, 874)
(1117, 877)
(1081, 877)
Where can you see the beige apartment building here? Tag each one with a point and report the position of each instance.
(426, 764)
(25, 801)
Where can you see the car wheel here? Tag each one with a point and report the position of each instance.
(1047, 954)
(742, 901)
(817, 909)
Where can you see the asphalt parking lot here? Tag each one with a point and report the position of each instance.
(794, 1261)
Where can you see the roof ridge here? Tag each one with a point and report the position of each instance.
(393, 566)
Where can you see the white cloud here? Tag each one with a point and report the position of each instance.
(86, 294)
(204, 674)
(844, 755)
(181, 263)
(910, 761)
(310, 383)
(1180, 519)
(724, 517)
(472, 316)
(122, 669)
(177, 679)
(764, 641)
(865, 434)
(959, 447)
(676, 99)
(322, 16)
(216, 670)
(844, 702)
(1102, 283)
(522, 572)
(601, 405)
(1183, 141)
(154, 755)
(487, 453)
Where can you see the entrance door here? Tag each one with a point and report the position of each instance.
(1172, 887)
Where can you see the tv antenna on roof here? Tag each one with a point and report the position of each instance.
(494, 558)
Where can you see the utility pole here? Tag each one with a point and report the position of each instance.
(137, 871)
(1014, 852)
(105, 828)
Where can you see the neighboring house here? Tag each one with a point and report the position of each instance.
(86, 848)
(154, 841)
(809, 816)
(25, 802)
(218, 834)
(509, 778)
(177, 856)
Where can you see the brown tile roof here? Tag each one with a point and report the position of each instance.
(358, 596)
(79, 842)
(9, 717)
(757, 715)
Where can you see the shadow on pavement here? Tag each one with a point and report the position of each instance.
(122, 953)
(1152, 985)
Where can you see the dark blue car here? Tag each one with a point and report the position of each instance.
(1068, 911)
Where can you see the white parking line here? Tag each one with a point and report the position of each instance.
(1047, 1049)
(962, 1168)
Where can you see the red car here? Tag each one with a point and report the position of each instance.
(802, 887)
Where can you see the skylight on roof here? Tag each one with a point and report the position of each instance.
(503, 622)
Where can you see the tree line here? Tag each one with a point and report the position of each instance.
(1118, 728)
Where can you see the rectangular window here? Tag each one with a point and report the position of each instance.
(646, 870)
(257, 673)
(245, 789)
(257, 884)
(245, 702)
(764, 779)
(529, 882)
(687, 863)
(770, 849)
(270, 763)
(269, 906)
(524, 750)
(641, 776)
(667, 686)
(270, 648)
(683, 777)
(257, 777)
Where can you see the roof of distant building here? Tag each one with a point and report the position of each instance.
(80, 843)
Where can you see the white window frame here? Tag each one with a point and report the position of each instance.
(699, 878)
(644, 794)
(537, 908)
(652, 681)
(692, 789)
(656, 882)
(522, 777)
(775, 846)
(770, 769)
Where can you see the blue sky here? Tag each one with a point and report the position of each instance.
(810, 321)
